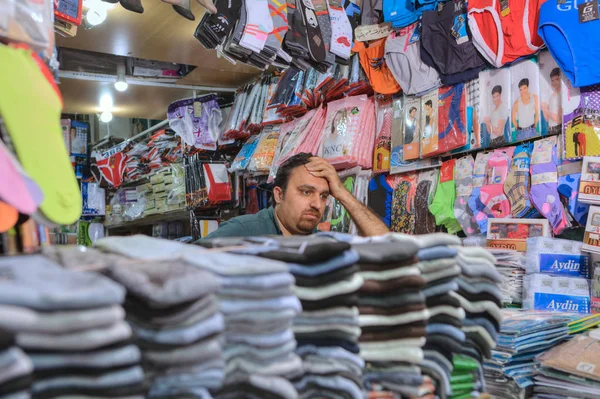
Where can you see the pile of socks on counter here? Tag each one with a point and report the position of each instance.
(511, 265)
(71, 325)
(523, 336)
(393, 317)
(15, 368)
(259, 306)
(256, 308)
(176, 321)
(328, 329)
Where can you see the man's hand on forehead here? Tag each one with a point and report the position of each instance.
(319, 167)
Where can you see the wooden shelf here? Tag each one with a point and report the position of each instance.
(170, 216)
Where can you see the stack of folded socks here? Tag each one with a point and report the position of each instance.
(393, 317)
(71, 324)
(259, 306)
(175, 318)
(480, 296)
(15, 367)
(328, 329)
(467, 378)
(439, 268)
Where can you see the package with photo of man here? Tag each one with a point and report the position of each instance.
(429, 124)
(494, 107)
(525, 110)
(551, 87)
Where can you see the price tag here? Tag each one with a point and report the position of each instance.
(588, 11)
(372, 32)
(197, 109)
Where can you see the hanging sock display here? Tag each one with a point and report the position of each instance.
(341, 30)
(38, 142)
(258, 25)
(182, 7)
(569, 176)
(403, 203)
(383, 140)
(492, 193)
(442, 206)
(477, 207)
(132, 5)
(544, 183)
(16, 188)
(8, 217)
(517, 182)
(426, 187)
(463, 173)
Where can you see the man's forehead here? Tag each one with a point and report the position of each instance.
(300, 176)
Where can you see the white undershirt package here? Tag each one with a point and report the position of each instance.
(556, 294)
(558, 257)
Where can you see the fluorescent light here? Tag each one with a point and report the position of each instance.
(106, 102)
(95, 16)
(106, 116)
(121, 83)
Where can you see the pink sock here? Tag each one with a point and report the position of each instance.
(492, 193)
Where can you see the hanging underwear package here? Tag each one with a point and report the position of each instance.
(403, 57)
(494, 108)
(403, 203)
(525, 109)
(552, 88)
(463, 174)
(569, 180)
(429, 124)
(452, 118)
(474, 139)
(381, 151)
(380, 197)
(574, 44)
(412, 128)
(196, 121)
(218, 185)
(582, 125)
(447, 46)
(372, 59)
(504, 31)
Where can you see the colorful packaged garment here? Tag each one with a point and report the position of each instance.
(429, 124)
(557, 257)
(403, 203)
(349, 129)
(452, 118)
(412, 128)
(442, 206)
(372, 59)
(551, 88)
(242, 159)
(265, 150)
(582, 125)
(196, 121)
(381, 151)
(556, 294)
(494, 108)
(426, 187)
(492, 193)
(525, 110)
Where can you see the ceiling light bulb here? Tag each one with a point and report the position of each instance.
(106, 102)
(106, 116)
(121, 83)
(95, 16)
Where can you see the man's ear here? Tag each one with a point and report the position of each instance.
(277, 194)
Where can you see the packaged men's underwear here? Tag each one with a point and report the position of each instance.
(556, 294)
(558, 257)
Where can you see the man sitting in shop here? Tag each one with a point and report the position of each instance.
(301, 192)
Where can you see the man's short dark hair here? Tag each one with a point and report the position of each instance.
(524, 82)
(555, 72)
(412, 109)
(497, 89)
(285, 170)
(428, 102)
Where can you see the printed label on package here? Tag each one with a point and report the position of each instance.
(564, 265)
(561, 303)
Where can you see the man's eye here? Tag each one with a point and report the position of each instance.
(324, 197)
(306, 192)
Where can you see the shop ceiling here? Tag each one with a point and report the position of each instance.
(158, 34)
